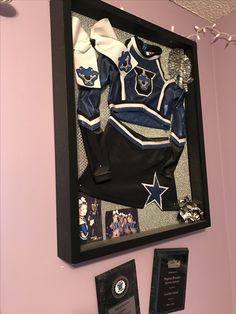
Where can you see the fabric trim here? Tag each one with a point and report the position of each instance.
(143, 144)
(133, 106)
(163, 93)
(177, 140)
(89, 124)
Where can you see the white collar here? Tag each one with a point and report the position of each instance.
(106, 42)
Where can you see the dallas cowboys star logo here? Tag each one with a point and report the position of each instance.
(155, 191)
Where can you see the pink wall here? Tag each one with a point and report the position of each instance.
(33, 279)
(225, 67)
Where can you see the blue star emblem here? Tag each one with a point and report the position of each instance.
(155, 191)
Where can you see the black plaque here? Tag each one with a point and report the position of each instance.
(117, 290)
(168, 280)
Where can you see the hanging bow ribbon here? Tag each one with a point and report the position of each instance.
(106, 43)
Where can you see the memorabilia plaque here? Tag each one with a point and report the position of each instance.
(168, 280)
(117, 290)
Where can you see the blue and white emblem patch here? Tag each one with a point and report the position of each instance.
(88, 75)
(155, 191)
(144, 81)
(124, 62)
(120, 287)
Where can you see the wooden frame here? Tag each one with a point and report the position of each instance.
(69, 248)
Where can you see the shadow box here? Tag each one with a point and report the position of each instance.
(129, 144)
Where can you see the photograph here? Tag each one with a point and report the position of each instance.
(90, 225)
(121, 222)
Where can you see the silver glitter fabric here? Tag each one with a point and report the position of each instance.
(179, 67)
(151, 218)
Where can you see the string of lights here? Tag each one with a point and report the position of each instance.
(217, 34)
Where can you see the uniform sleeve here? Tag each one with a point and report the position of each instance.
(177, 132)
(90, 123)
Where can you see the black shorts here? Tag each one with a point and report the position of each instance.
(139, 176)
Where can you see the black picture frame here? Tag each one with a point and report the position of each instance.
(169, 278)
(69, 248)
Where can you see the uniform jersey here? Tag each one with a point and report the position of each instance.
(124, 166)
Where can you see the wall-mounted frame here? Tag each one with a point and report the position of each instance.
(154, 224)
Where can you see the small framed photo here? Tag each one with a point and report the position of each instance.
(90, 224)
(121, 222)
(169, 277)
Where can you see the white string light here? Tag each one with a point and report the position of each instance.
(215, 32)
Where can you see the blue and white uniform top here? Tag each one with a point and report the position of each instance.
(138, 92)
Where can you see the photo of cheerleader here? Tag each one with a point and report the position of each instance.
(90, 225)
(121, 222)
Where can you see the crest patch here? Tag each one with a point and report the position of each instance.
(88, 75)
(124, 62)
(144, 81)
